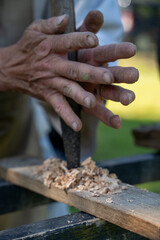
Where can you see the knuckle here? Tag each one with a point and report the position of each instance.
(42, 65)
(35, 25)
(52, 97)
(49, 95)
(43, 48)
(31, 77)
(46, 65)
(37, 66)
(73, 73)
(37, 89)
(68, 42)
(58, 109)
(49, 23)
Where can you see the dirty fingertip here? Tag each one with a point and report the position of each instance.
(92, 40)
(127, 99)
(133, 49)
(76, 126)
(116, 122)
(62, 21)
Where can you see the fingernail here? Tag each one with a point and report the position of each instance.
(107, 78)
(119, 125)
(60, 20)
(130, 98)
(74, 126)
(116, 122)
(87, 102)
(91, 41)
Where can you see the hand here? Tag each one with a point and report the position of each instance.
(37, 65)
(99, 56)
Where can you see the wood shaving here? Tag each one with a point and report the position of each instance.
(88, 177)
(109, 200)
(124, 187)
(95, 194)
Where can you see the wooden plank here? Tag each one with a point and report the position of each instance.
(135, 169)
(70, 227)
(133, 209)
(21, 198)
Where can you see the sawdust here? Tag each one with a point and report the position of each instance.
(109, 200)
(124, 187)
(88, 177)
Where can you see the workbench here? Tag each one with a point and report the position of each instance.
(132, 170)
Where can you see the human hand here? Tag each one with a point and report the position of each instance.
(100, 56)
(37, 65)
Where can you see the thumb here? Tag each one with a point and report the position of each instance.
(92, 22)
(54, 25)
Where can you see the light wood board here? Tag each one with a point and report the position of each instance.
(133, 209)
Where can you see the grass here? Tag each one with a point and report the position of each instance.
(151, 186)
(118, 143)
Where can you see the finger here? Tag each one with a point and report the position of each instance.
(112, 52)
(92, 22)
(65, 43)
(124, 74)
(73, 41)
(82, 72)
(105, 115)
(72, 90)
(117, 94)
(63, 109)
(52, 25)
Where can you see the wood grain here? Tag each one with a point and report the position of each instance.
(133, 209)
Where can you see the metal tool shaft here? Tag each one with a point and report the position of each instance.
(71, 139)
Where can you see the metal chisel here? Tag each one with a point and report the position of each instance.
(71, 139)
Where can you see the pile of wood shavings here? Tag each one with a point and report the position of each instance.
(88, 177)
